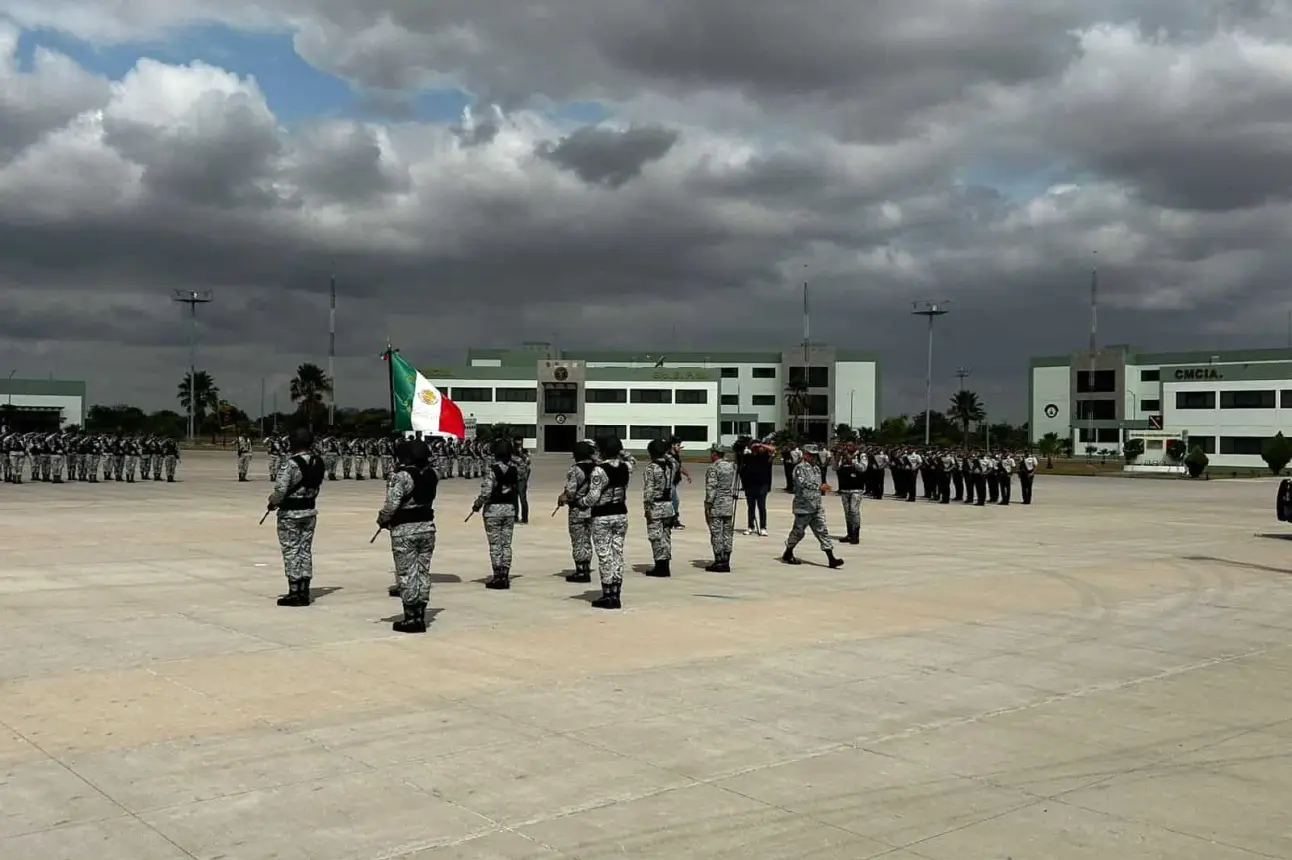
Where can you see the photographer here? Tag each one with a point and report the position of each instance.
(754, 460)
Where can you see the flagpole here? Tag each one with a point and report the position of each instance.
(390, 385)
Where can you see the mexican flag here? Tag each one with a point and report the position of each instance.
(419, 405)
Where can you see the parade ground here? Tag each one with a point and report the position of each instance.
(1104, 674)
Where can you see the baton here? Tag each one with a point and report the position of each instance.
(469, 516)
(555, 509)
(375, 534)
(265, 517)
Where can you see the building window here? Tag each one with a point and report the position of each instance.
(560, 397)
(516, 395)
(1096, 410)
(471, 395)
(646, 431)
(691, 396)
(1206, 443)
(524, 431)
(1101, 437)
(818, 404)
(1249, 446)
(1285, 399)
(737, 428)
(817, 377)
(1099, 382)
(766, 428)
(764, 373)
(1247, 400)
(1195, 400)
(1150, 375)
(605, 431)
(730, 372)
(762, 400)
(606, 395)
(731, 400)
(1150, 405)
(651, 395)
(692, 432)
(1152, 444)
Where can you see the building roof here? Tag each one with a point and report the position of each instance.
(42, 387)
(1133, 356)
(527, 355)
(528, 373)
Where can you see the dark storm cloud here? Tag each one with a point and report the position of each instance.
(602, 156)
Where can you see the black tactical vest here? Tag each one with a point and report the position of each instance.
(312, 472)
(506, 478)
(671, 478)
(850, 477)
(418, 506)
(614, 498)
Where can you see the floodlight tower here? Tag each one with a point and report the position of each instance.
(192, 298)
(931, 310)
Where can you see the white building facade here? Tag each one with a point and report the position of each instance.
(556, 397)
(41, 404)
(1226, 403)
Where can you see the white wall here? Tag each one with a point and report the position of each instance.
(1051, 386)
(854, 392)
(1219, 422)
(72, 406)
(746, 386)
(495, 413)
(630, 414)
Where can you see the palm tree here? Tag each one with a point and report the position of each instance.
(796, 404)
(966, 409)
(308, 390)
(208, 395)
(1050, 445)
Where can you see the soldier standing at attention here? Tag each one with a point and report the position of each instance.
(294, 496)
(170, 451)
(720, 508)
(1007, 467)
(243, 448)
(1027, 474)
(498, 499)
(808, 512)
(852, 484)
(331, 456)
(523, 467)
(386, 453)
(409, 513)
(607, 499)
(146, 458)
(372, 450)
(574, 497)
(657, 501)
(271, 455)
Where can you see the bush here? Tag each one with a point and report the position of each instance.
(1277, 453)
(1133, 450)
(1175, 450)
(1196, 462)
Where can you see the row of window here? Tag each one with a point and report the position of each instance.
(1267, 399)
(685, 432)
(1106, 410)
(1239, 445)
(569, 396)
(816, 377)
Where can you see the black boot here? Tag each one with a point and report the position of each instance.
(716, 567)
(414, 619)
(393, 591)
(305, 597)
(834, 562)
(609, 598)
(661, 570)
(788, 557)
(500, 581)
(293, 595)
(582, 572)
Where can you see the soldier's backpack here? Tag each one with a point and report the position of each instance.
(1283, 501)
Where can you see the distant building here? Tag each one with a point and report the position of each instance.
(1226, 403)
(41, 404)
(556, 397)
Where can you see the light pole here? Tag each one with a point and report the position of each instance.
(851, 397)
(192, 298)
(930, 310)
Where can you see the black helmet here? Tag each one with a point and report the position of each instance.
(655, 450)
(302, 439)
(609, 447)
(502, 449)
(415, 452)
(584, 450)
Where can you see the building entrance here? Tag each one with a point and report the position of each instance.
(559, 438)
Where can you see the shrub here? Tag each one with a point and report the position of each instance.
(1133, 450)
(1196, 462)
(1277, 453)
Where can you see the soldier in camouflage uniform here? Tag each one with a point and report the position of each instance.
(386, 453)
(808, 512)
(118, 458)
(6, 458)
(131, 448)
(242, 449)
(657, 501)
(170, 456)
(372, 450)
(524, 465)
(607, 501)
(498, 500)
(294, 498)
(147, 450)
(331, 456)
(409, 514)
(574, 498)
(720, 508)
(57, 446)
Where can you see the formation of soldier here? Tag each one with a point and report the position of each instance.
(92, 458)
(366, 457)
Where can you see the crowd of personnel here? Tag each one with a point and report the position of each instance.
(73, 455)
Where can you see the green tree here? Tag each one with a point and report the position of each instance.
(894, 431)
(1133, 450)
(308, 390)
(843, 433)
(1196, 462)
(202, 392)
(796, 404)
(494, 432)
(966, 409)
(1277, 453)
(1050, 445)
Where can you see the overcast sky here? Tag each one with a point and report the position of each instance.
(646, 174)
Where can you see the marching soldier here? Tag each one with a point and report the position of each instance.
(574, 497)
(720, 508)
(657, 501)
(607, 501)
(294, 499)
(852, 470)
(243, 448)
(808, 512)
(409, 514)
(1027, 474)
(499, 492)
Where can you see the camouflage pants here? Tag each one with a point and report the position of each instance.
(814, 521)
(372, 465)
(721, 534)
(347, 464)
(171, 462)
(329, 463)
(581, 539)
(387, 466)
(499, 528)
(132, 466)
(296, 540)
(608, 536)
(660, 534)
(56, 465)
(43, 464)
(274, 462)
(17, 462)
(93, 472)
(851, 509)
(157, 467)
(7, 459)
(412, 546)
(145, 465)
(244, 463)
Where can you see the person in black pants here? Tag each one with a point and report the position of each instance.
(756, 478)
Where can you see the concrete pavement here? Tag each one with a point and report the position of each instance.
(1104, 674)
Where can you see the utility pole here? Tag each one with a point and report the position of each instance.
(192, 298)
(962, 373)
(331, 355)
(1094, 327)
(262, 407)
(807, 357)
(930, 310)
